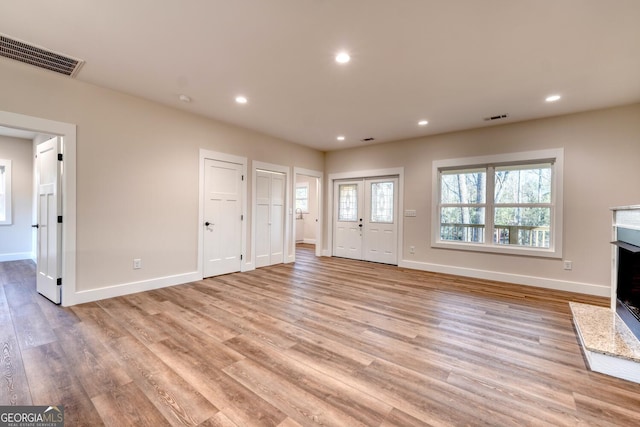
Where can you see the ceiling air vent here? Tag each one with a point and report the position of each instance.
(498, 117)
(367, 139)
(39, 57)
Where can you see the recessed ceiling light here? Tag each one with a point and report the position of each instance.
(423, 122)
(340, 138)
(343, 58)
(184, 98)
(552, 98)
(241, 99)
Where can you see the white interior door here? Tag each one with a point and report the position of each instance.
(366, 219)
(223, 217)
(48, 257)
(270, 216)
(348, 220)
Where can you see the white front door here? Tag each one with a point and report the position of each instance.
(347, 242)
(270, 216)
(380, 220)
(48, 256)
(223, 217)
(366, 219)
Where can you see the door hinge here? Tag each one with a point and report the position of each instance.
(241, 217)
(59, 281)
(60, 157)
(242, 177)
(59, 219)
(240, 257)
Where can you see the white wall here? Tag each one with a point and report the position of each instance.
(137, 173)
(602, 154)
(137, 181)
(15, 239)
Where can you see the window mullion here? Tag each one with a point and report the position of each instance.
(489, 211)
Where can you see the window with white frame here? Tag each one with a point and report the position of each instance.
(5, 192)
(505, 203)
(302, 197)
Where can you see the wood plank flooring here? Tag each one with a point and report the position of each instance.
(322, 342)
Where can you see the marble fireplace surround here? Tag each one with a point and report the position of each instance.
(609, 345)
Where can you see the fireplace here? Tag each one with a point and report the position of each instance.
(627, 298)
(610, 337)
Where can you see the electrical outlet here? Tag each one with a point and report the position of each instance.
(137, 264)
(412, 249)
(567, 265)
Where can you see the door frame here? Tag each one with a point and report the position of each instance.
(319, 179)
(230, 158)
(288, 211)
(67, 132)
(373, 173)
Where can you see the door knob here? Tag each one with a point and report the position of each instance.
(208, 223)
(35, 226)
(360, 225)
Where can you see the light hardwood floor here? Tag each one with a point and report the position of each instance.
(324, 341)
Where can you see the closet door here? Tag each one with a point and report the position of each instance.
(270, 215)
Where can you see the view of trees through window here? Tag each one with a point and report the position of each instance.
(520, 203)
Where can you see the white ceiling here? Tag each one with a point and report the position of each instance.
(452, 62)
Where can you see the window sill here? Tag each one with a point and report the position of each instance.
(499, 249)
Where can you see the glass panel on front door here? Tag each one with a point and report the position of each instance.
(348, 202)
(382, 202)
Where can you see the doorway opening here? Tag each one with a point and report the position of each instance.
(65, 260)
(307, 221)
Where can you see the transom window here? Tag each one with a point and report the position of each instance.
(507, 203)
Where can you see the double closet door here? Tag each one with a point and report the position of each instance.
(366, 219)
(270, 216)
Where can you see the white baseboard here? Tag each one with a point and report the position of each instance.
(326, 252)
(309, 241)
(17, 256)
(132, 288)
(542, 282)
